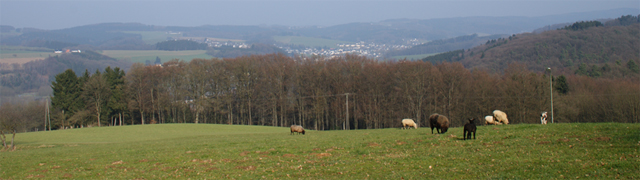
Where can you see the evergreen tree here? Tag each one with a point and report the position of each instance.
(116, 103)
(633, 66)
(561, 85)
(158, 61)
(582, 69)
(66, 93)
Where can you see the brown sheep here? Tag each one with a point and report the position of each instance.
(440, 122)
(468, 129)
(297, 128)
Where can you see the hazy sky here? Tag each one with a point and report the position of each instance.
(58, 14)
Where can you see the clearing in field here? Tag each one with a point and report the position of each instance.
(207, 151)
(140, 56)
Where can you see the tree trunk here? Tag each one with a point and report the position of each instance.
(275, 116)
(63, 118)
(13, 146)
(197, 117)
(98, 112)
(250, 115)
(230, 118)
(142, 115)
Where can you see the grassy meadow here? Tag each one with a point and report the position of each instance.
(140, 56)
(206, 151)
(309, 41)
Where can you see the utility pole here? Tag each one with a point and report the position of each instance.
(49, 115)
(46, 108)
(551, 91)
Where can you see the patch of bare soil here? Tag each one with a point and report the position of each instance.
(603, 138)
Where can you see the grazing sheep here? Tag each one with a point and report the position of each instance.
(500, 117)
(468, 129)
(543, 118)
(297, 128)
(440, 122)
(410, 123)
(489, 120)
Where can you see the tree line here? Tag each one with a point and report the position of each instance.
(348, 92)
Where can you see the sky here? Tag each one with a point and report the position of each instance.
(59, 14)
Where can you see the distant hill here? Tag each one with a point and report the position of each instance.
(595, 51)
(394, 31)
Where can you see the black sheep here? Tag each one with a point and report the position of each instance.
(468, 128)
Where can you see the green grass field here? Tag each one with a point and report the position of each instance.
(205, 151)
(309, 41)
(25, 54)
(139, 56)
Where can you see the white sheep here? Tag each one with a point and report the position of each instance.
(410, 123)
(500, 117)
(489, 120)
(543, 118)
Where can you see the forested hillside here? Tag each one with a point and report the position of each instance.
(597, 51)
(36, 76)
(444, 45)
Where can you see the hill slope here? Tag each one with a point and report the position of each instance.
(444, 45)
(204, 151)
(606, 48)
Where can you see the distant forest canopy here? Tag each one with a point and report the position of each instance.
(347, 92)
(583, 25)
(598, 51)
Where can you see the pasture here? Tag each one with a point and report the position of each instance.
(21, 55)
(309, 41)
(207, 151)
(140, 56)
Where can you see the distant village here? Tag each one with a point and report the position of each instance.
(362, 48)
